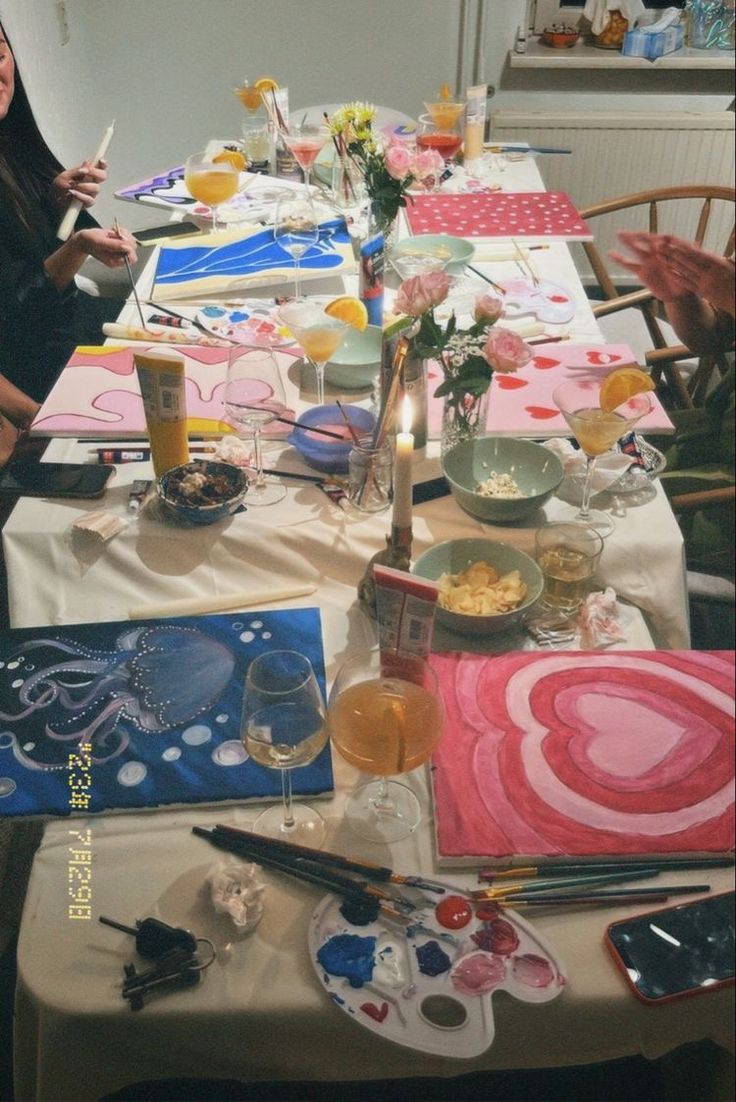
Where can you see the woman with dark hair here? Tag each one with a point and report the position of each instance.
(43, 314)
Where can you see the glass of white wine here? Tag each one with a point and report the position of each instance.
(284, 727)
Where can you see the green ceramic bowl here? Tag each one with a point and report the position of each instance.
(358, 359)
(534, 468)
(455, 251)
(453, 556)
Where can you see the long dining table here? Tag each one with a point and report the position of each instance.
(260, 1012)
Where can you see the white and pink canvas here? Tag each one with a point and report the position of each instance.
(584, 755)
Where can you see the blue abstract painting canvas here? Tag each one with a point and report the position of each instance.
(97, 717)
(209, 264)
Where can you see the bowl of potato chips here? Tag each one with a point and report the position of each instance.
(485, 586)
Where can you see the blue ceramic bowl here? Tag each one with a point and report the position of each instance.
(220, 495)
(322, 452)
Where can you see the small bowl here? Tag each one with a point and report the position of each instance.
(322, 452)
(358, 359)
(231, 487)
(456, 252)
(454, 556)
(560, 40)
(535, 469)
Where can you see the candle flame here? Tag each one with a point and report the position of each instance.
(406, 414)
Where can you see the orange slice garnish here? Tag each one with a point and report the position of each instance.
(350, 310)
(233, 157)
(266, 84)
(445, 92)
(623, 384)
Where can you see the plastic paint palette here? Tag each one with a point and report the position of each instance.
(431, 989)
(547, 301)
(253, 325)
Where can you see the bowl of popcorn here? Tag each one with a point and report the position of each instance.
(485, 587)
(201, 491)
(500, 479)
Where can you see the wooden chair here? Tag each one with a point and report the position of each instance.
(663, 357)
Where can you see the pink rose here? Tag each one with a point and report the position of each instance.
(506, 351)
(419, 294)
(428, 163)
(488, 308)
(398, 161)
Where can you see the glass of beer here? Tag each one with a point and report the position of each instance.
(568, 555)
(386, 720)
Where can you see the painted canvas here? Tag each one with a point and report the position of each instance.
(97, 393)
(547, 215)
(199, 267)
(584, 755)
(100, 717)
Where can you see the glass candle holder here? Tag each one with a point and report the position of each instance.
(370, 477)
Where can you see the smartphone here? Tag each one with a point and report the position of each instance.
(55, 479)
(676, 951)
(156, 234)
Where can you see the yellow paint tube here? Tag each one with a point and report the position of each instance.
(161, 379)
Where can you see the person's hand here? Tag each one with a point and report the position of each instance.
(82, 182)
(111, 248)
(703, 273)
(663, 279)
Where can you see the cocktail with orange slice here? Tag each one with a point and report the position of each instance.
(319, 326)
(211, 180)
(599, 414)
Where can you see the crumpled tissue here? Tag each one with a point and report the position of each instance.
(236, 891)
(597, 12)
(608, 468)
(598, 621)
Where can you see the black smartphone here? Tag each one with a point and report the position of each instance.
(55, 479)
(676, 951)
(156, 234)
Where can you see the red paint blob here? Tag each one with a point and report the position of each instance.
(454, 912)
(487, 911)
(541, 413)
(375, 1012)
(544, 363)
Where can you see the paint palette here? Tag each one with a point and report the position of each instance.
(546, 301)
(430, 986)
(252, 324)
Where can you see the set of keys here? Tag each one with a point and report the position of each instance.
(173, 951)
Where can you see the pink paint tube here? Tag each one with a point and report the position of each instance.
(405, 605)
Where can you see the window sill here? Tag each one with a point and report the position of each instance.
(582, 56)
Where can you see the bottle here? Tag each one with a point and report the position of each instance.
(520, 44)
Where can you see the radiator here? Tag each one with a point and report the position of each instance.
(616, 154)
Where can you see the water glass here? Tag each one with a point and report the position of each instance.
(370, 477)
(568, 556)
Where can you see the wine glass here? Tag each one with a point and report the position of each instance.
(306, 142)
(254, 397)
(296, 229)
(284, 727)
(210, 182)
(596, 431)
(385, 720)
(318, 334)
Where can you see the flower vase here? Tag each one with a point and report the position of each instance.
(463, 418)
(372, 263)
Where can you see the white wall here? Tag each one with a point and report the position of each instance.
(165, 69)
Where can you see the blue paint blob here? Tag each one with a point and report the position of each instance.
(238, 315)
(432, 959)
(350, 956)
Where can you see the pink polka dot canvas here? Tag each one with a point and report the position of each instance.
(550, 215)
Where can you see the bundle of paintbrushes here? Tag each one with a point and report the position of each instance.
(358, 882)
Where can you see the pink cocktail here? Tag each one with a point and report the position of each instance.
(306, 144)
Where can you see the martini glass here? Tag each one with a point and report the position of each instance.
(210, 182)
(296, 229)
(596, 431)
(254, 397)
(385, 721)
(306, 142)
(318, 334)
(446, 139)
(284, 727)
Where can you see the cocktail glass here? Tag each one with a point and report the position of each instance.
(596, 431)
(445, 140)
(385, 721)
(295, 230)
(306, 142)
(210, 182)
(445, 114)
(254, 397)
(284, 727)
(318, 334)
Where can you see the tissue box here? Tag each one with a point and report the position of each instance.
(638, 43)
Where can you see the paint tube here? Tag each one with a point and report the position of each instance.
(405, 607)
(161, 379)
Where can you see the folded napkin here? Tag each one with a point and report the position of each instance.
(608, 468)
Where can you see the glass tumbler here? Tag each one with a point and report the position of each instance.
(370, 477)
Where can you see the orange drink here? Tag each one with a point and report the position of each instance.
(212, 184)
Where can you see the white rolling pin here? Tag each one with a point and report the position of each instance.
(67, 223)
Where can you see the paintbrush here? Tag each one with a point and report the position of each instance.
(525, 265)
(301, 425)
(318, 480)
(129, 270)
(565, 882)
(350, 864)
(616, 895)
(574, 867)
(389, 399)
(346, 419)
(192, 321)
(496, 286)
(365, 894)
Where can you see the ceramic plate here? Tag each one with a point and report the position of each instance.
(431, 988)
(252, 324)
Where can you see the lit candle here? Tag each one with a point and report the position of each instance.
(401, 516)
